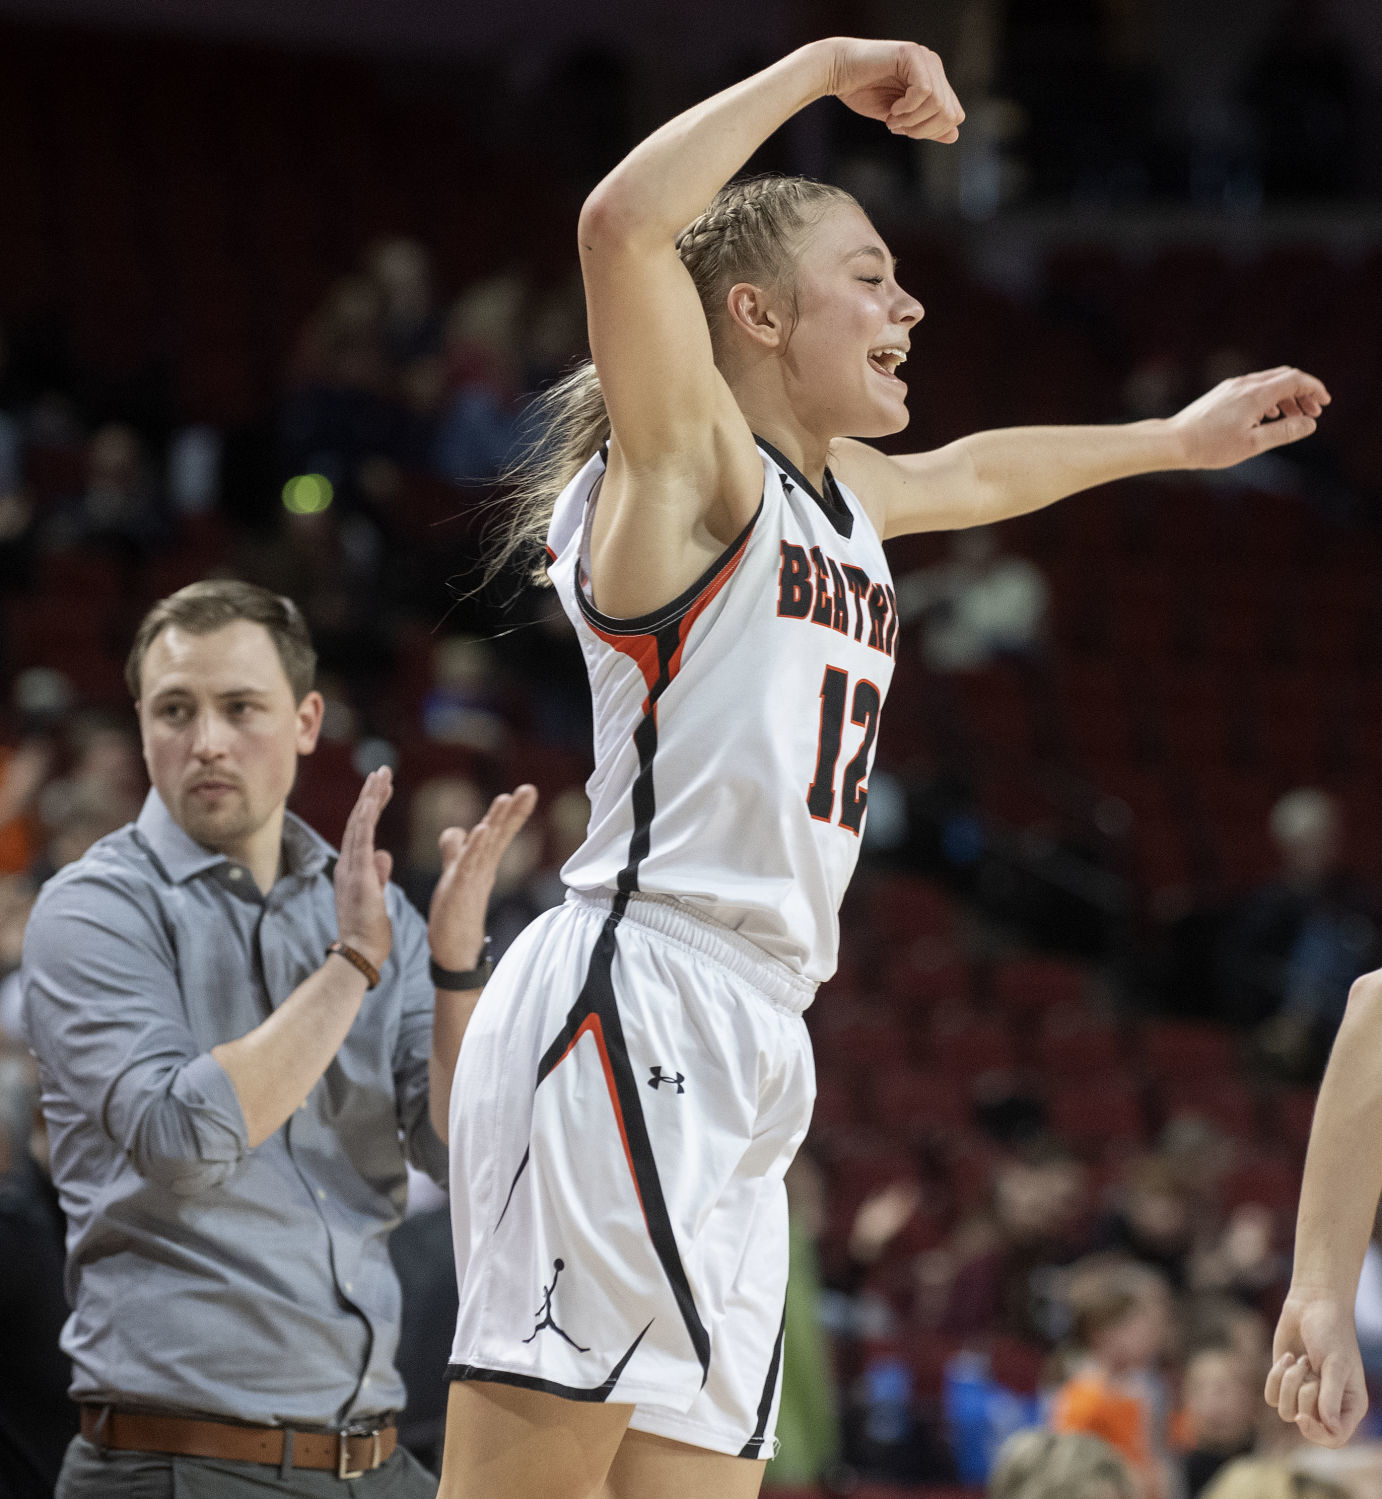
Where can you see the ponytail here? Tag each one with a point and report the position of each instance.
(571, 425)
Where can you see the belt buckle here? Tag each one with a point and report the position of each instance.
(343, 1468)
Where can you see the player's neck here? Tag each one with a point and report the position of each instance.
(808, 453)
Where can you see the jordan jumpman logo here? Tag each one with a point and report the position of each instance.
(546, 1313)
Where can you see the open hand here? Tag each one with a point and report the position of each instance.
(362, 872)
(1249, 414)
(1317, 1380)
(456, 919)
(901, 83)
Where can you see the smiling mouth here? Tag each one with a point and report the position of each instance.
(885, 361)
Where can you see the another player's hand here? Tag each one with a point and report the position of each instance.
(901, 83)
(456, 918)
(1249, 414)
(1316, 1381)
(362, 872)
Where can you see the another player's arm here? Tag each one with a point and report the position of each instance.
(1317, 1379)
(994, 475)
(684, 476)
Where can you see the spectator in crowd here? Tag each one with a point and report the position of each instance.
(979, 607)
(1294, 945)
(1218, 1418)
(1120, 1329)
(464, 705)
(339, 409)
(105, 772)
(1151, 1219)
(1066, 1465)
(17, 893)
(219, 1094)
(568, 815)
(1241, 1259)
(808, 1422)
(410, 324)
(23, 769)
(1001, 1262)
(440, 803)
(479, 430)
(37, 1420)
(119, 507)
(329, 561)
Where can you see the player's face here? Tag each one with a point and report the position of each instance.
(222, 733)
(853, 321)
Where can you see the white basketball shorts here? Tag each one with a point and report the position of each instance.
(633, 1085)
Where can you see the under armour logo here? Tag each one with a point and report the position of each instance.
(548, 1320)
(661, 1077)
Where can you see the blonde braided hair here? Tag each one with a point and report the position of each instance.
(750, 231)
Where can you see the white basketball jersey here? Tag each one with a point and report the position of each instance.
(735, 728)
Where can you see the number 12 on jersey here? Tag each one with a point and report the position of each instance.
(854, 795)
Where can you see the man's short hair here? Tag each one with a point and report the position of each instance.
(214, 603)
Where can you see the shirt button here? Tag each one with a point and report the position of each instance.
(350, 1285)
(302, 1106)
(321, 1194)
(237, 874)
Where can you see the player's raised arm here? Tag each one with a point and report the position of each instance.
(684, 477)
(993, 475)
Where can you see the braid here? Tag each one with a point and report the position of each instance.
(749, 231)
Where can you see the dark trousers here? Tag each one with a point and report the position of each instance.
(89, 1473)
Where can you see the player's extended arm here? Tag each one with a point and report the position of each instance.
(684, 476)
(276, 1065)
(1317, 1379)
(993, 475)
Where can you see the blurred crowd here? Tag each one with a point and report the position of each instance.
(1004, 1220)
(1115, 1291)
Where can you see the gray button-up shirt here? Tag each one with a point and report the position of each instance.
(203, 1275)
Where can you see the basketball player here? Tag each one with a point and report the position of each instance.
(637, 1076)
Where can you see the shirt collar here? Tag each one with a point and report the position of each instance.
(305, 852)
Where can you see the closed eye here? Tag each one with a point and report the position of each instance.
(872, 280)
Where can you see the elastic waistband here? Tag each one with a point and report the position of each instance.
(679, 923)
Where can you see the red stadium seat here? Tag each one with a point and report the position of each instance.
(1070, 1043)
(902, 908)
(970, 1047)
(1177, 1048)
(1271, 1181)
(912, 1105)
(1097, 1115)
(1027, 986)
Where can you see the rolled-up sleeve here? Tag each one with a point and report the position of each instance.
(414, 1046)
(106, 1018)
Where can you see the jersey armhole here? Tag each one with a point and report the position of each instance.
(646, 624)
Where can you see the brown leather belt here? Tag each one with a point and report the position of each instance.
(346, 1453)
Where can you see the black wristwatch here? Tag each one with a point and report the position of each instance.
(474, 978)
